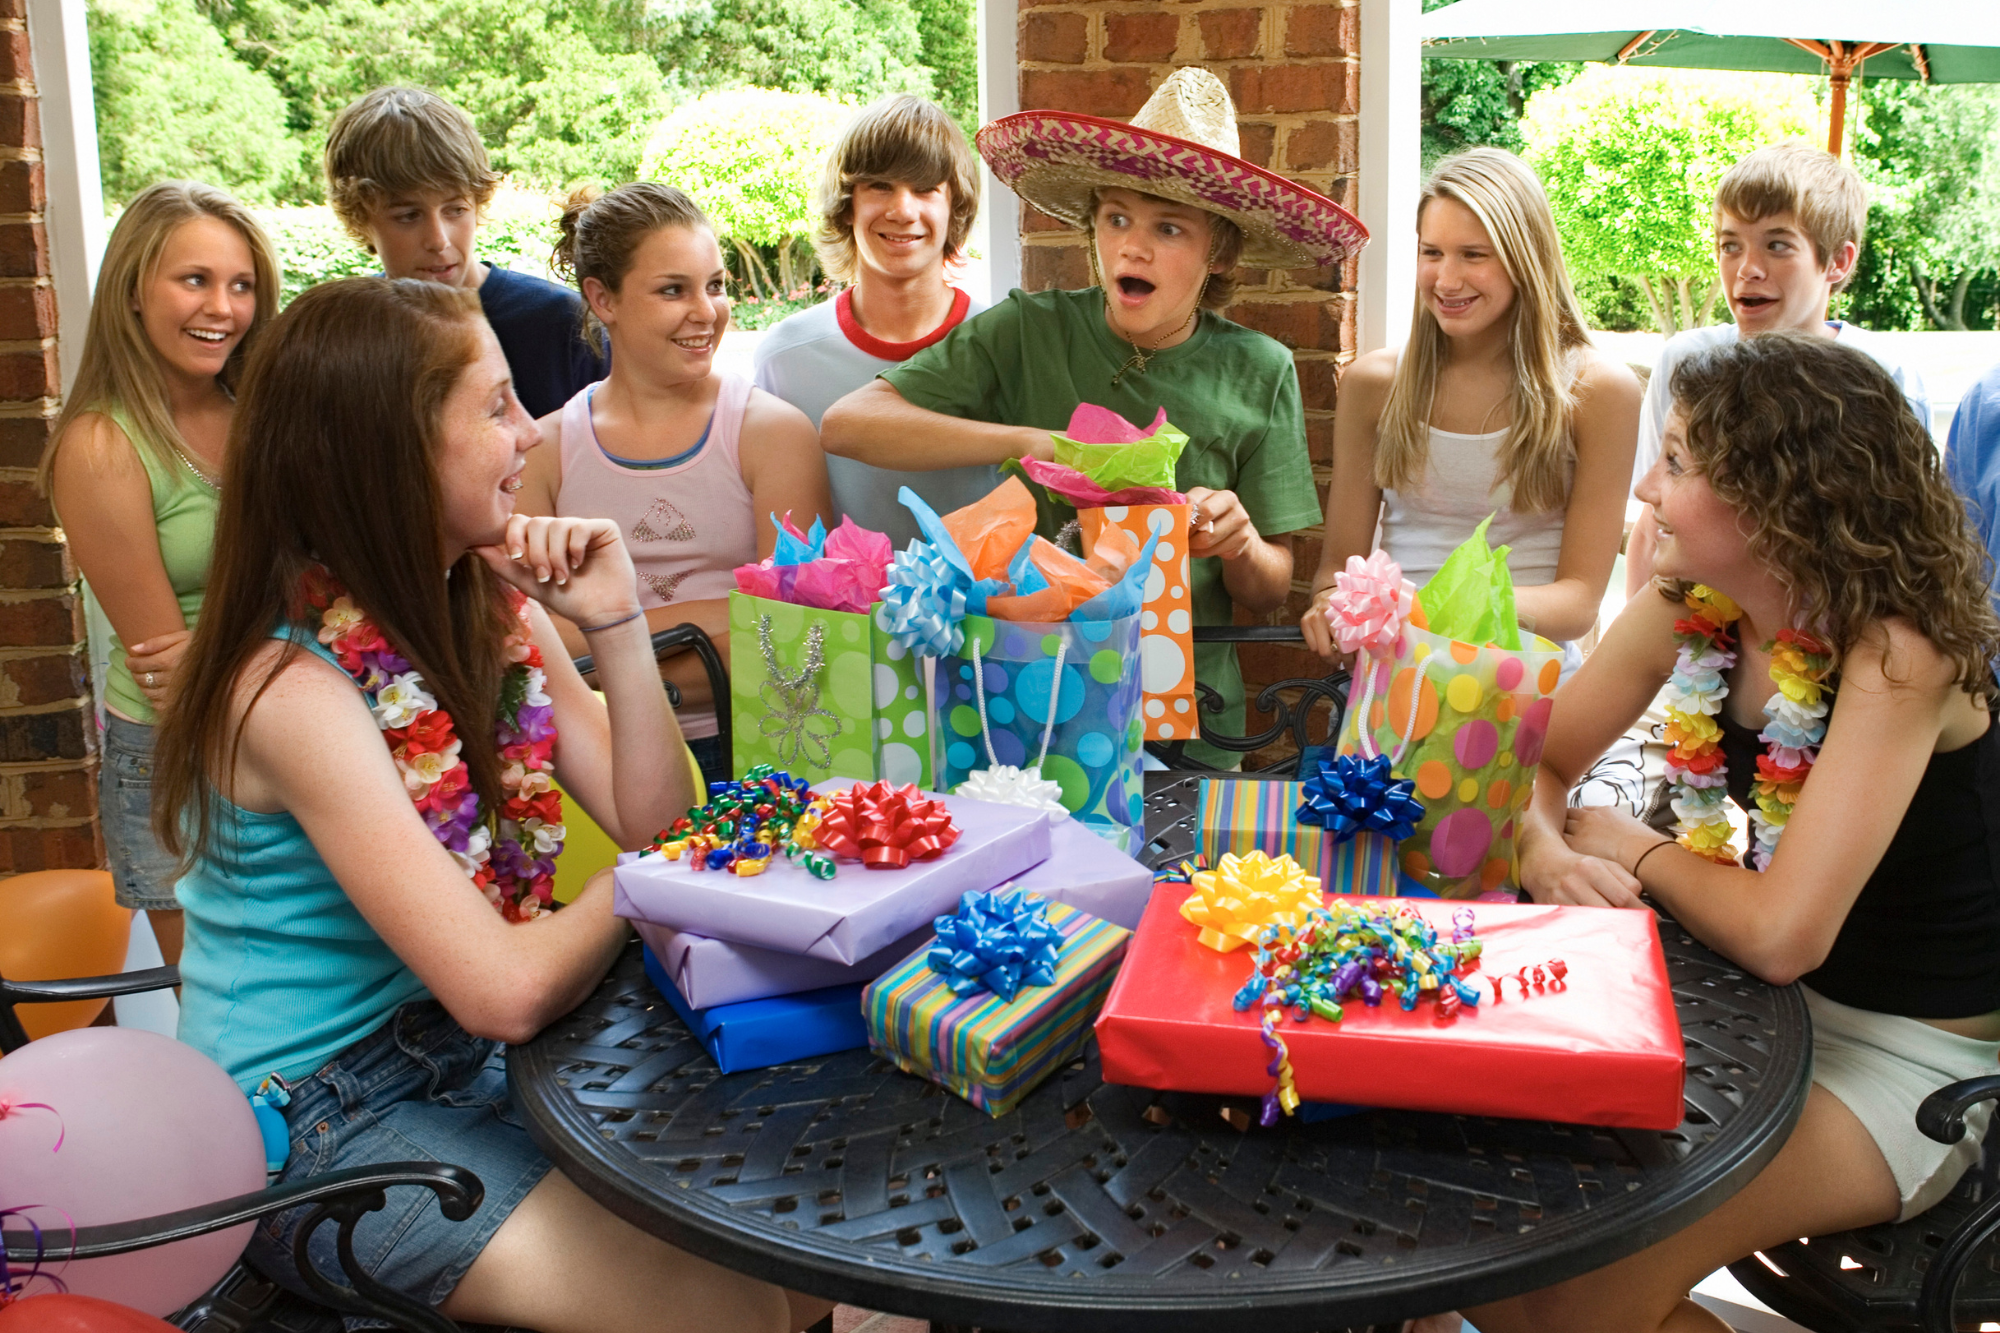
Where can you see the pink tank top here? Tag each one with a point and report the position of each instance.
(688, 524)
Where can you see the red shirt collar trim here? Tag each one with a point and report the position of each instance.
(843, 312)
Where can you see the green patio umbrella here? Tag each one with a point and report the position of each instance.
(1936, 41)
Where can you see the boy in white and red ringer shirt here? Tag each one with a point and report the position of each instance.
(896, 200)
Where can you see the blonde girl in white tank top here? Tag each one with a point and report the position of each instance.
(1497, 404)
(689, 461)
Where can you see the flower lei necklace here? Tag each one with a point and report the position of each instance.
(1796, 726)
(510, 856)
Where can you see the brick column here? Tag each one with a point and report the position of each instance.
(1292, 67)
(48, 777)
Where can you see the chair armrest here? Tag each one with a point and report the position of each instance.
(459, 1192)
(671, 643)
(88, 988)
(1942, 1114)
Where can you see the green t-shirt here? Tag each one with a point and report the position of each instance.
(1030, 359)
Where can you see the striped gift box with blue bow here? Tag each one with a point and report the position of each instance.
(988, 1050)
(1244, 815)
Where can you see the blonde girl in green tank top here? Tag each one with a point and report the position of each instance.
(135, 466)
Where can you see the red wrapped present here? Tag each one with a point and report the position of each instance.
(1599, 1046)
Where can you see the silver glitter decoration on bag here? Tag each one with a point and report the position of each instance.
(793, 719)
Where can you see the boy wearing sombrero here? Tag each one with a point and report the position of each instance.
(1171, 208)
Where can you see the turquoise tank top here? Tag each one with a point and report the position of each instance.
(280, 972)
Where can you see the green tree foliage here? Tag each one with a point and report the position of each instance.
(173, 101)
(1931, 156)
(750, 157)
(562, 90)
(1476, 103)
(552, 102)
(1631, 159)
(951, 49)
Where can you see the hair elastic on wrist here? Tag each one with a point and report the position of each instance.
(1664, 842)
(611, 624)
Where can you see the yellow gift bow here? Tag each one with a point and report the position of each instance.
(1234, 902)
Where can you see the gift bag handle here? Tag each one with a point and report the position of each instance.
(1049, 722)
(1366, 733)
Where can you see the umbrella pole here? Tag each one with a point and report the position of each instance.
(1843, 62)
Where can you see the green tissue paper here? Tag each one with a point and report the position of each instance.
(1471, 597)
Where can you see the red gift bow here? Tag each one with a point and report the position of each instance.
(884, 827)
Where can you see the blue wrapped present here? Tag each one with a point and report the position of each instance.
(754, 1034)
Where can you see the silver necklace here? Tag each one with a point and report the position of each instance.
(213, 483)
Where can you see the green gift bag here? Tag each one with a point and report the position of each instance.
(823, 694)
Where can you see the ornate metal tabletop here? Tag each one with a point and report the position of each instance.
(1093, 1207)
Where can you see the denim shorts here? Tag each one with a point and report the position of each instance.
(709, 755)
(419, 1088)
(142, 874)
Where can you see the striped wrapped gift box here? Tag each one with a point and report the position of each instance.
(1243, 816)
(990, 1051)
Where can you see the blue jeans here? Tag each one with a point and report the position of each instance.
(142, 874)
(708, 753)
(418, 1088)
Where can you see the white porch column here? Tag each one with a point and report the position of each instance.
(75, 216)
(997, 234)
(1386, 193)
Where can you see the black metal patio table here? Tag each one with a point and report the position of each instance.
(1094, 1208)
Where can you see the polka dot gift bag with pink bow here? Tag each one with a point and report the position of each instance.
(1457, 697)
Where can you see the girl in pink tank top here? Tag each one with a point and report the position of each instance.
(687, 460)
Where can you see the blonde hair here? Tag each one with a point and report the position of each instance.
(1822, 192)
(120, 366)
(398, 140)
(601, 232)
(900, 138)
(1545, 330)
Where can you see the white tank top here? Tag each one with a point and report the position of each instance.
(1461, 485)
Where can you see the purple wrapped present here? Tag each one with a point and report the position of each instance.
(859, 912)
(1082, 870)
(708, 972)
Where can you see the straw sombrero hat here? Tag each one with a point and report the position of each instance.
(1182, 145)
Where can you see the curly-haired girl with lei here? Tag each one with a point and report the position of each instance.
(357, 771)
(1824, 627)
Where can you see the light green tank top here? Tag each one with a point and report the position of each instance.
(184, 509)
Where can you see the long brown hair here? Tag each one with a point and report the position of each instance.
(120, 367)
(334, 461)
(1846, 497)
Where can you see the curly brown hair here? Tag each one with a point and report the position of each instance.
(1846, 495)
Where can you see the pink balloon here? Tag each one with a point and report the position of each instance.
(147, 1126)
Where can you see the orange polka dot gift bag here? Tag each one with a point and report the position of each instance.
(1457, 698)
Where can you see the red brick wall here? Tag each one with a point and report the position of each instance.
(48, 787)
(1292, 67)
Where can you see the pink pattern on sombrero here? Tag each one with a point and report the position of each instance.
(1023, 146)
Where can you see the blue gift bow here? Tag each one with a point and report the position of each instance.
(791, 551)
(998, 941)
(1349, 796)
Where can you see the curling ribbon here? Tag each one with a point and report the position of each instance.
(885, 827)
(14, 1281)
(1349, 796)
(926, 601)
(997, 941)
(8, 1108)
(1284, 1095)
(1237, 900)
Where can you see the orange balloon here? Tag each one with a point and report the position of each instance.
(56, 924)
(60, 1312)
